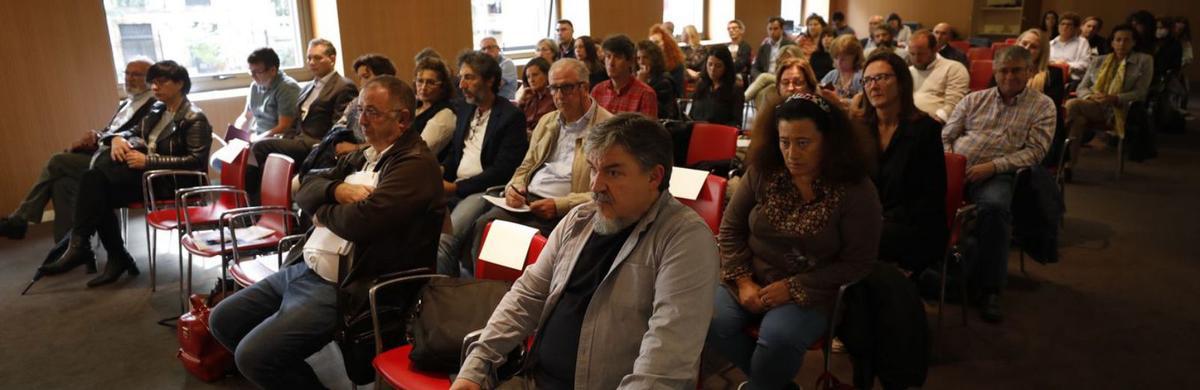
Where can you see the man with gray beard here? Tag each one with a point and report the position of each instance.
(617, 296)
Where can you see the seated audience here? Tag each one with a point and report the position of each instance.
(1168, 52)
(939, 84)
(586, 51)
(814, 28)
(1112, 83)
(566, 39)
(873, 23)
(674, 62)
(910, 174)
(1050, 23)
(846, 77)
(548, 50)
(435, 119)
(804, 221)
(766, 82)
(273, 325)
(1044, 80)
(346, 135)
(821, 59)
(623, 92)
(739, 50)
(902, 31)
(651, 70)
(768, 54)
(60, 176)
(1143, 23)
(508, 70)
(837, 22)
(945, 34)
(175, 134)
(273, 105)
(535, 101)
(1070, 48)
(489, 138)
(1091, 31)
(883, 39)
(999, 130)
(717, 98)
(695, 53)
(631, 269)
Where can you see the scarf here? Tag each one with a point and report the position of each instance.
(1109, 82)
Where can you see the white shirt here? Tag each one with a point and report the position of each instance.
(134, 103)
(1075, 52)
(470, 165)
(323, 249)
(774, 55)
(940, 86)
(554, 180)
(317, 84)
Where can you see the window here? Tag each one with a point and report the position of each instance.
(799, 10)
(683, 13)
(211, 38)
(720, 12)
(580, 15)
(516, 24)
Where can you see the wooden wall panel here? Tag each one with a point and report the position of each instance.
(399, 29)
(755, 14)
(60, 80)
(927, 12)
(629, 17)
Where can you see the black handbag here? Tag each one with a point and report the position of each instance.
(447, 309)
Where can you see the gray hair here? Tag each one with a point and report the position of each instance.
(1012, 53)
(645, 139)
(329, 49)
(581, 69)
(140, 59)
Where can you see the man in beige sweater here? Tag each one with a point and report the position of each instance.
(938, 83)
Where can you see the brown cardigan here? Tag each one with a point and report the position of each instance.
(770, 234)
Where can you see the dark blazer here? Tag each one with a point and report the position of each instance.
(949, 52)
(183, 144)
(741, 62)
(716, 106)
(666, 92)
(911, 179)
(763, 61)
(394, 230)
(331, 102)
(504, 146)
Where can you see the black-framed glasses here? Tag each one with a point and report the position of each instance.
(564, 88)
(868, 80)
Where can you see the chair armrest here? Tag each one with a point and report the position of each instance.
(148, 183)
(373, 293)
(289, 242)
(182, 196)
(226, 221)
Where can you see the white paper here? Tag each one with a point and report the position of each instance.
(211, 239)
(502, 203)
(507, 244)
(743, 143)
(230, 151)
(686, 183)
(259, 268)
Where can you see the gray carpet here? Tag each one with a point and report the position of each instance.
(1118, 312)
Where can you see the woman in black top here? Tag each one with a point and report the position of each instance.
(911, 175)
(717, 98)
(585, 50)
(820, 59)
(650, 71)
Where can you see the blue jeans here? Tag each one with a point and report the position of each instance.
(785, 332)
(993, 230)
(273, 325)
(450, 259)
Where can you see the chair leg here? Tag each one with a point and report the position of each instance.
(152, 244)
(962, 287)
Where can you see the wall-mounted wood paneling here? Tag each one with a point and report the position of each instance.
(399, 29)
(755, 14)
(629, 17)
(926, 12)
(59, 81)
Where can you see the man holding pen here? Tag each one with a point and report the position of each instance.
(553, 177)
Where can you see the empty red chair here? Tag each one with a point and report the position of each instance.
(981, 74)
(962, 46)
(711, 142)
(711, 202)
(979, 53)
(997, 46)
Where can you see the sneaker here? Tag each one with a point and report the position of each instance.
(13, 227)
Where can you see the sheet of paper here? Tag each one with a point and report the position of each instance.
(686, 182)
(501, 203)
(230, 151)
(507, 244)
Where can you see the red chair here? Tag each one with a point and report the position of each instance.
(979, 53)
(489, 271)
(393, 366)
(981, 74)
(956, 215)
(962, 46)
(1011, 41)
(711, 202)
(248, 272)
(997, 46)
(711, 142)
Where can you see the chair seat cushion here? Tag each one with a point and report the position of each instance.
(248, 272)
(198, 215)
(190, 245)
(395, 369)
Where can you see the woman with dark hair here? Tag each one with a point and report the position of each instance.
(650, 70)
(1168, 52)
(535, 100)
(804, 221)
(585, 50)
(815, 28)
(674, 62)
(174, 135)
(435, 119)
(717, 98)
(902, 31)
(1143, 24)
(821, 59)
(910, 175)
(1050, 23)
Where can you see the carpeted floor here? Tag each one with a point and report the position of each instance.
(1118, 312)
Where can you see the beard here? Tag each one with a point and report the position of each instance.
(604, 225)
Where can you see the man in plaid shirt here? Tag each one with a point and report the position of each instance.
(999, 130)
(622, 92)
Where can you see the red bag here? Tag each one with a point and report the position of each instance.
(200, 353)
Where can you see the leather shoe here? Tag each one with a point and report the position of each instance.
(118, 263)
(77, 254)
(990, 308)
(13, 227)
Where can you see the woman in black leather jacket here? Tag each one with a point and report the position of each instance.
(174, 135)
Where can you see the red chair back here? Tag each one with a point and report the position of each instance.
(234, 174)
(981, 74)
(1065, 69)
(956, 174)
(488, 271)
(711, 202)
(277, 190)
(979, 53)
(997, 46)
(711, 142)
(962, 46)
(1011, 41)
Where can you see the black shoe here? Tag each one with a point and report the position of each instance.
(990, 308)
(118, 263)
(79, 252)
(13, 227)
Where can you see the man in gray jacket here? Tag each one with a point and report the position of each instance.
(617, 297)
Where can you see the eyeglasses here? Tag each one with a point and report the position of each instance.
(373, 113)
(564, 88)
(868, 80)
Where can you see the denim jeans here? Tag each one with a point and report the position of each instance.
(993, 230)
(273, 325)
(785, 332)
(450, 259)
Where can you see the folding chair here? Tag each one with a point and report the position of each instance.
(979, 53)
(981, 74)
(962, 46)
(956, 216)
(711, 202)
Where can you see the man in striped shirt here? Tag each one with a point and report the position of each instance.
(999, 130)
